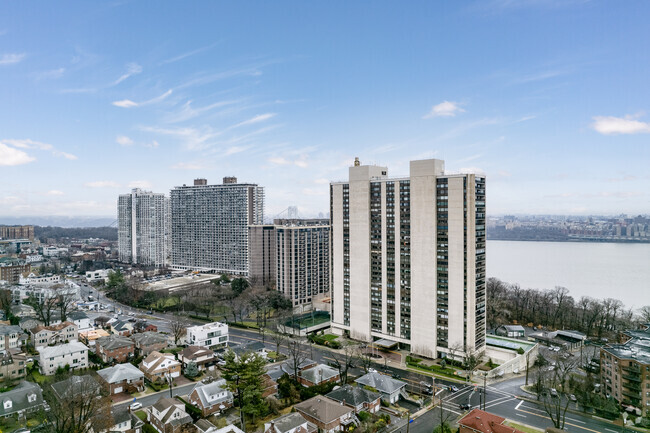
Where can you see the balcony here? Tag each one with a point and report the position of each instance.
(633, 395)
(633, 386)
(633, 377)
(634, 369)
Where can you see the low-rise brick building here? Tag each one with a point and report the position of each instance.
(328, 415)
(63, 332)
(211, 398)
(147, 342)
(114, 348)
(158, 365)
(122, 378)
(202, 357)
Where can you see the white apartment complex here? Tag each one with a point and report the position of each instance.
(211, 335)
(74, 354)
(143, 228)
(210, 225)
(408, 258)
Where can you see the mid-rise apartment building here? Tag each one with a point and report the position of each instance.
(17, 232)
(74, 354)
(12, 269)
(294, 256)
(211, 335)
(210, 225)
(408, 258)
(143, 230)
(625, 370)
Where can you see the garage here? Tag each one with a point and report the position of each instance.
(117, 390)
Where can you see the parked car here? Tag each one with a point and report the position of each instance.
(464, 406)
(554, 392)
(135, 406)
(453, 388)
(573, 397)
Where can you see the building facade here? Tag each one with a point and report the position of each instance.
(143, 228)
(211, 335)
(17, 232)
(12, 269)
(73, 354)
(408, 258)
(210, 225)
(262, 254)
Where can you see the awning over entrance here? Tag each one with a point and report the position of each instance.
(385, 343)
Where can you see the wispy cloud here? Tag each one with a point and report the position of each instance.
(188, 112)
(444, 109)
(610, 125)
(123, 140)
(10, 156)
(55, 192)
(10, 59)
(131, 69)
(188, 54)
(31, 144)
(52, 74)
(542, 75)
(192, 138)
(188, 166)
(280, 160)
(236, 149)
(256, 119)
(102, 184)
(127, 103)
(205, 78)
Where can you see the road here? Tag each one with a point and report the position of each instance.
(151, 399)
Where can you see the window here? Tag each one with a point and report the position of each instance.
(31, 398)
(7, 404)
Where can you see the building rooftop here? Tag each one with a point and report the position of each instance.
(288, 422)
(636, 349)
(19, 398)
(323, 409)
(485, 422)
(319, 373)
(353, 395)
(120, 372)
(113, 342)
(381, 382)
(62, 349)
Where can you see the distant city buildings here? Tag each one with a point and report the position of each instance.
(17, 232)
(294, 256)
(408, 258)
(143, 228)
(210, 225)
(11, 270)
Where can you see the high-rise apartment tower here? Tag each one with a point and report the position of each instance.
(408, 258)
(210, 225)
(143, 228)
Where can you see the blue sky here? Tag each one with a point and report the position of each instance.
(550, 98)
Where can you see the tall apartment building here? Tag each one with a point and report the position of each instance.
(143, 230)
(210, 225)
(12, 269)
(294, 256)
(408, 258)
(17, 232)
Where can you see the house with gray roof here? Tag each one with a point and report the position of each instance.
(388, 387)
(77, 385)
(292, 422)
(114, 348)
(357, 398)
(122, 378)
(318, 375)
(328, 415)
(26, 397)
(512, 331)
(205, 426)
(147, 342)
(252, 346)
(81, 320)
(12, 337)
(74, 354)
(211, 398)
(125, 420)
(168, 415)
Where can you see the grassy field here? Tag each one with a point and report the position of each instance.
(330, 337)
(141, 414)
(524, 428)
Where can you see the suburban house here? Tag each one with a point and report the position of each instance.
(76, 386)
(157, 365)
(122, 378)
(512, 331)
(144, 326)
(73, 354)
(357, 397)
(12, 337)
(121, 327)
(288, 366)
(114, 348)
(88, 337)
(202, 357)
(388, 387)
(25, 398)
(211, 335)
(81, 320)
(211, 397)
(251, 346)
(12, 365)
(147, 342)
(292, 422)
(328, 415)
(25, 323)
(54, 334)
(478, 421)
(205, 426)
(168, 415)
(124, 421)
(270, 384)
(318, 375)
(102, 321)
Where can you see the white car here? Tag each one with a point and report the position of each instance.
(136, 405)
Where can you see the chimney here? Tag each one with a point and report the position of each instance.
(356, 161)
(229, 180)
(200, 182)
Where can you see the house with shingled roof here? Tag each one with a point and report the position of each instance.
(318, 375)
(388, 387)
(43, 336)
(157, 365)
(25, 398)
(328, 415)
(122, 378)
(478, 421)
(168, 415)
(147, 342)
(73, 354)
(357, 397)
(211, 398)
(114, 348)
(202, 357)
(292, 422)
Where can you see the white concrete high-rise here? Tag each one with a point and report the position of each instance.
(210, 225)
(408, 258)
(143, 230)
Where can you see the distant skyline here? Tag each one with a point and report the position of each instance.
(548, 98)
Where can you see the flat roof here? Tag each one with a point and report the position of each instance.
(177, 283)
(385, 343)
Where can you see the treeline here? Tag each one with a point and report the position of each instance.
(557, 309)
(526, 234)
(58, 233)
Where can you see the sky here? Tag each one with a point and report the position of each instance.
(549, 98)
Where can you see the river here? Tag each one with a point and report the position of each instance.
(600, 270)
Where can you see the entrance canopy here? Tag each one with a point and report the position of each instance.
(385, 343)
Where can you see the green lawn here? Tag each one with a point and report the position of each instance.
(524, 428)
(141, 414)
(330, 337)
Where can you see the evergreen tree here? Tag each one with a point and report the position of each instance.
(243, 376)
(191, 370)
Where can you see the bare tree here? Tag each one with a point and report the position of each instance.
(65, 302)
(178, 328)
(455, 349)
(43, 306)
(297, 355)
(343, 361)
(278, 339)
(364, 358)
(644, 312)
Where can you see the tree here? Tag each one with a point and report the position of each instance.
(238, 285)
(364, 359)
(178, 328)
(288, 389)
(644, 312)
(243, 377)
(44, 306)
(297, 355)
(66, 301)
(278, 339)
(191, 370)
(83, 409)
(343, 361)
(471, 359)
(5, 302)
